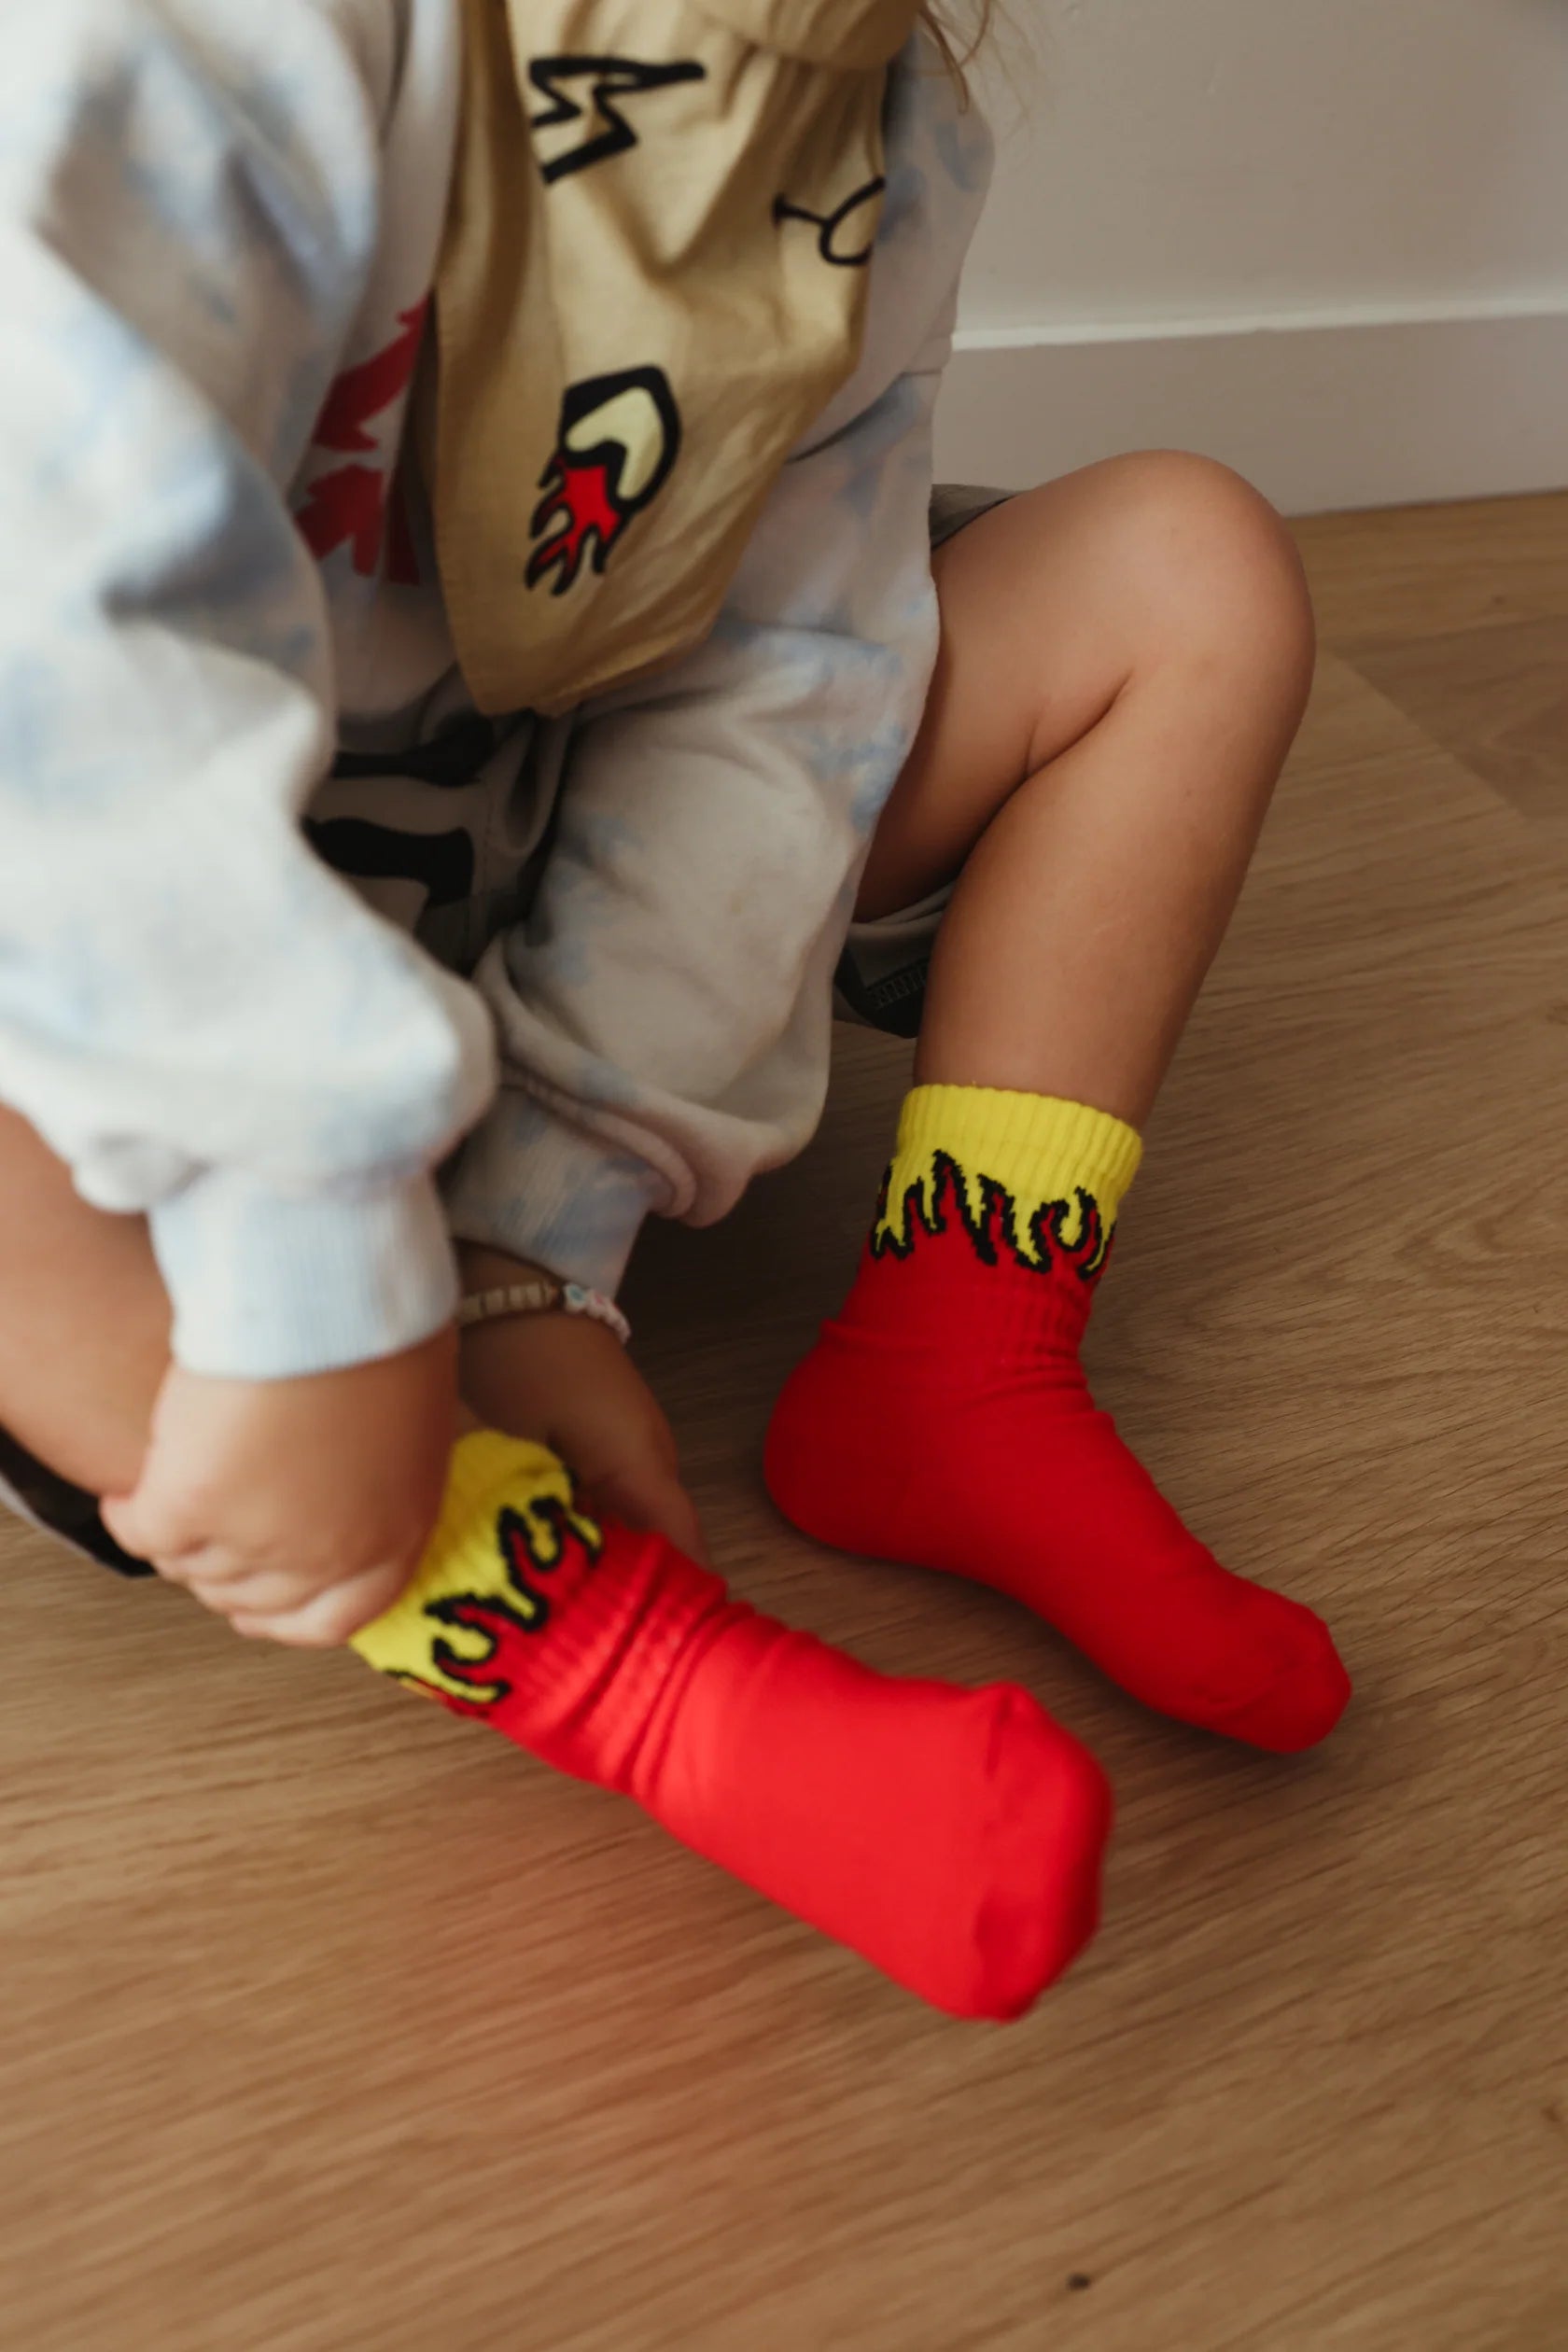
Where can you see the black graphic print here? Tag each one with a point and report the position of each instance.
(442, 863)
(450, 761)
(620, 436)
(1072, 1235)
(596, 114)
(844, 237)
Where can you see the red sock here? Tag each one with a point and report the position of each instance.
(952, 1837)
(943, 1419)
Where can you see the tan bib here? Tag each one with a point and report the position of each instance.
(654, 278)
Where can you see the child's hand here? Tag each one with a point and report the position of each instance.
(568, 1383)
(298, 1509)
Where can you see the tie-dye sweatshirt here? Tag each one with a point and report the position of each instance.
(218, 225)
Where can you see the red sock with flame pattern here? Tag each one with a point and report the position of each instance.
(952, 1837)
(943, 1419)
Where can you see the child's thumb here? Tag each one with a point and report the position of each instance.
(651, 1497)
(129, 1522)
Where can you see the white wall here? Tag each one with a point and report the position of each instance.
(1326, 238)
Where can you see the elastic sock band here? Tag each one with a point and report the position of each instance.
(489, 1473)
(1037, 1148)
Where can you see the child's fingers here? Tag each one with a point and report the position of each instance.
(153, 1528)
(251, 1628)
(123, 1517)
(277, 1605)
(323, 1620)
(649, 1496)
(229, 1588)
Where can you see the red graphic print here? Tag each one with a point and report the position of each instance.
(349, 507)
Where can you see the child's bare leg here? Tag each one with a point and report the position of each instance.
(84, 1322)
(1126, 657)
(1125, 660)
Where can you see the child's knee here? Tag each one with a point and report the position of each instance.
(1215, 574)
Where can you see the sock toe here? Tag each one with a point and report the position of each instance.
(1301, 1703)
(1050, 1818)
(1302, 1694)
(953, 1838)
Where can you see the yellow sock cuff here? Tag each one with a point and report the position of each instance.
(509, 1505)
(1036, 1150)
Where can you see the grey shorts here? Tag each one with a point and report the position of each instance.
(31, 1492)
(881, 977)
(880, 982)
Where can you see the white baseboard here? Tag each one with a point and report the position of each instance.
(1321, 414)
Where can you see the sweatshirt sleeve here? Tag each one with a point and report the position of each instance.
(200, 1018)
(665, 1012)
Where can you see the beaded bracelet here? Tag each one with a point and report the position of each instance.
(542, 1294)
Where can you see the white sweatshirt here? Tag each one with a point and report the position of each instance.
(212, 213)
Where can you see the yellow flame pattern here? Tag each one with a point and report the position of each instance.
(1033, 1150)
(468, 1559)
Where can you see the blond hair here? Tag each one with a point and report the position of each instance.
(958, 27)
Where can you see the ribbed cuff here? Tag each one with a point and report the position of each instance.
(620, 1614)
(267, 1287)
(1037, 1147)
(528, 1183)
(488, 1472)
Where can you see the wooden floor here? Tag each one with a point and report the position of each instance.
(329, 2023)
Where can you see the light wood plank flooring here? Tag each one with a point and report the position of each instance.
(329, 2023)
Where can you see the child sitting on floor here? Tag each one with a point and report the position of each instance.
(452, 750)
